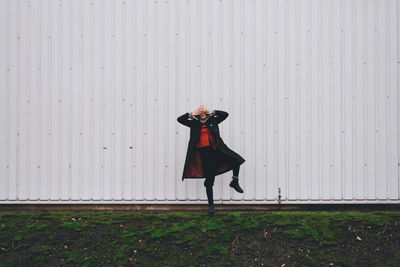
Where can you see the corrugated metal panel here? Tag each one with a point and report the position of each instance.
(90, 91)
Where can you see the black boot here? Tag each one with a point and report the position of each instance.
(210, 198)
(211, 210)
(235, 184)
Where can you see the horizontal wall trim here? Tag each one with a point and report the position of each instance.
(197, 206)
(166, 202)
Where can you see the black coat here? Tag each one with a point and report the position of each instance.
(193, 167)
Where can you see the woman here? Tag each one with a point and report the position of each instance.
(207, 154)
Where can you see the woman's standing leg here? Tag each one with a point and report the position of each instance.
(209, 166)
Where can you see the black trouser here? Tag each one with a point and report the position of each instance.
(210, 160)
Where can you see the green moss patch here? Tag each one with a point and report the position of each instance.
(238, 238)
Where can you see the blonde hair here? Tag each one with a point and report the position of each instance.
(202, 108)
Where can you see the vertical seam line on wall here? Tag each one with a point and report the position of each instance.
(124, 108)
(352, 102)
(331, 138)
(154, 95)
(375, 102)
(285, 101)
(18, 86)
(363, 98)
(254, 96)
(319, 104)
(243, 78)
(297, 102)
(398, 100)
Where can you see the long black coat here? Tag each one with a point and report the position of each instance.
(193, 167)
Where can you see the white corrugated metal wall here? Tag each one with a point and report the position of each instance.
(90, 91)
